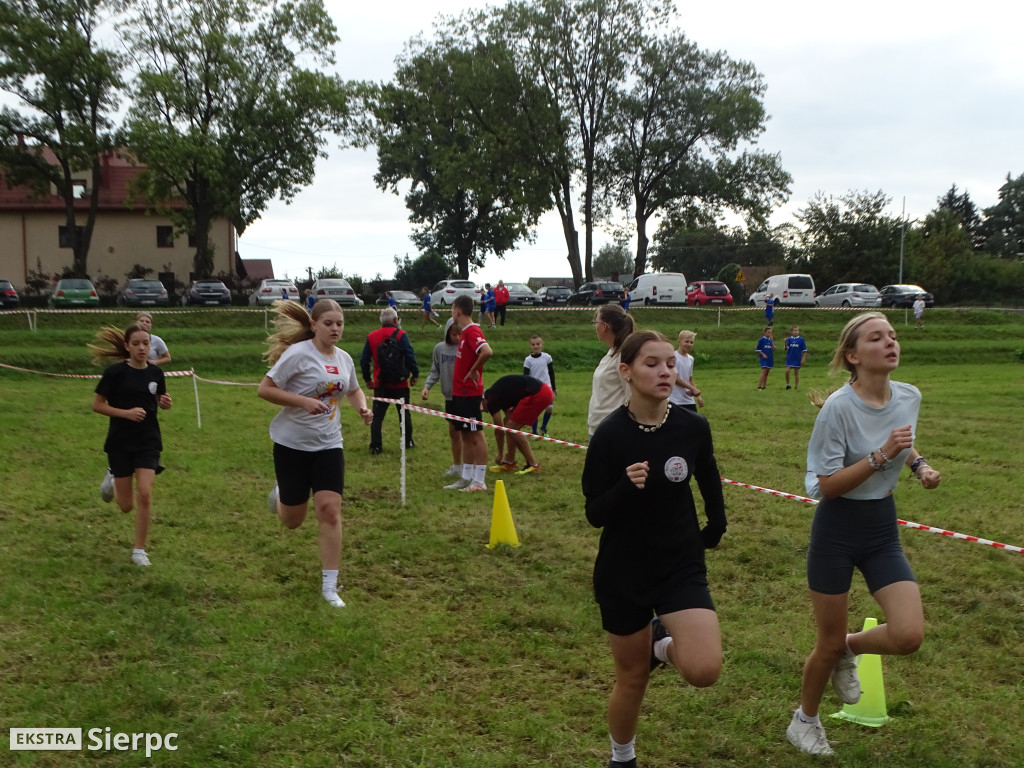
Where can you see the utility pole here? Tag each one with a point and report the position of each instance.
(903, 226)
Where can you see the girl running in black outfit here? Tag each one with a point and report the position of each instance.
(636, 480)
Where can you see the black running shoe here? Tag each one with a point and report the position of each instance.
(658, 632)
(627, 764)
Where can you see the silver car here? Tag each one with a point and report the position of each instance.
(335, 288)
(849, 295)
(271, 290)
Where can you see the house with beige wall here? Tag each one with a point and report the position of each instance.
(33, 232)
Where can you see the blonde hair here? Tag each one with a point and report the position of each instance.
(848, 338)
(620, 321)
(144, 314)
(685, 335)
(294, 324)
(113, 343)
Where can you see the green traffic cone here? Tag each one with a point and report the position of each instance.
(870, 710)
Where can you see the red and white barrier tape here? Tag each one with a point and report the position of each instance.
(81, 375)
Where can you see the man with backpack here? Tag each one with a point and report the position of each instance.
(389, 368)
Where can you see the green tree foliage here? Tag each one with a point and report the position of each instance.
(448, 124)
(727, 275)
(970, 220)
(425, 271)
(851, 239)
(226, 116)
(68, 87)
(1004, 221)
(699, 252)
(613, 258)
(675, 134)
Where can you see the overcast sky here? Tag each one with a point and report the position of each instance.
(907, 98)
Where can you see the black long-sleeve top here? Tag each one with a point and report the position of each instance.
(650, 533)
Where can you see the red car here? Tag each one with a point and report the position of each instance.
(704, 292)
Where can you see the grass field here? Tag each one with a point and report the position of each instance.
(452, 654)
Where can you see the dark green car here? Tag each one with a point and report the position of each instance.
(74, 292)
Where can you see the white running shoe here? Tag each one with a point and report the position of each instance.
(332, 597)
(458, 485)
(474, 487)
(810, 737)
(107, 486)
(141, 558)
(845, 680)
(453, 471)
(272, 501)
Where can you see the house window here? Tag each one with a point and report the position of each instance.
(165, 237)
(192, 242)
(79, 189)
(64, 236)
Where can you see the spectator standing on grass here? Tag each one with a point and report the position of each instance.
(522, 399)
(308, 376)
(129, 394)
(766, 355)
(487, 306)
(608, 389)
(426, 310)
(685, 393)
(650, 560)
(862, 438)
(158, 354)
(919, 312)
(796, 355)
(389, 368)
(540, 365)
(442, 369)
(467, 392)
(501, 298)
(310, 299)
(769, 310)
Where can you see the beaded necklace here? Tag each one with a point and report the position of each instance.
(651, 427)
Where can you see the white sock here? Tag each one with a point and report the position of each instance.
(848, 648)
(467, 472)
(480, 473)
(804, 718)
(138, 551)
(661, 649)
(330, 581)
(623, 753)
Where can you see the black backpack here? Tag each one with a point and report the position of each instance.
(391, 360)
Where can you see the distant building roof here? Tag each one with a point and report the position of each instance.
(258, 269)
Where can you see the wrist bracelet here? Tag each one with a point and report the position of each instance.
(916, 465)
(886, 461)
(872, 463)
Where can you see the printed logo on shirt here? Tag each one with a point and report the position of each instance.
(676, 469)
(152, 387)
(332, 369)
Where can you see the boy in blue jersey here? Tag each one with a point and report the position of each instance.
(796, 353)
(766, 354)
(769, 309)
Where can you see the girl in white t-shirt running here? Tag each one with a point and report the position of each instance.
(308, 377)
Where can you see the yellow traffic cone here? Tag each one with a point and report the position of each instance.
(503, 530)
(870, 710)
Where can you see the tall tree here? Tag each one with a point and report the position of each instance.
(579, 53)
(851, 238)
(68, 85)
(1004, 221)
(963, 207)
(225, 116)
(614, 259)
(449, 124)
(675, 135)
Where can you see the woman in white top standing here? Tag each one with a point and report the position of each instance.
(308, 377)
(610, 390)
(862, 438)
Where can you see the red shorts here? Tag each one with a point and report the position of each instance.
(529, 408)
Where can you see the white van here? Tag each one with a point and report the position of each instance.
(658, 288)
(789, 291)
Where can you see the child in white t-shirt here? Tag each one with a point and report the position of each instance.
(685, 392)
(540, 365)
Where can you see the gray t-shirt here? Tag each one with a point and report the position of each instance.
(848, 429)
(684, 371)
(157, 348)
(304, 371)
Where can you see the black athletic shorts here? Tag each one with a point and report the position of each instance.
(689, 589)
(468, 408)
(124, 463)
(300, 473)
(853, 533)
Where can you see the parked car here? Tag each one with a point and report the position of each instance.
(139, 292)
(335, 288)
(8, 296)
(598, 293)
(658, 288)
(849, 295)
(789, 291)
(270, 290)
(554, 294)
(402, 299)
(74, 292)
(206, 293)
(704, 292)
(444, 293)
(903, 296)
(520, 294)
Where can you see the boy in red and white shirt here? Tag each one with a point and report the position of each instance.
(467, 392)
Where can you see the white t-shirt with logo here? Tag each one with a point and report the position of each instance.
(303, 370)
(538, 366)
